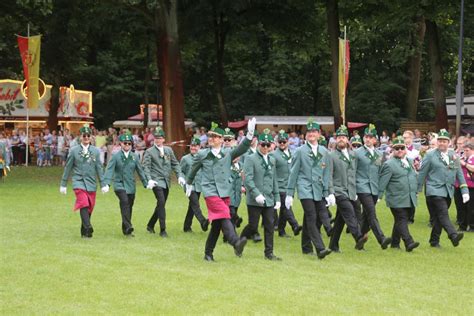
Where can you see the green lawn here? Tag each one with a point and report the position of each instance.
(46, 268)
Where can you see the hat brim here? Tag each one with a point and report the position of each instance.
(212, 133)
(444, 137)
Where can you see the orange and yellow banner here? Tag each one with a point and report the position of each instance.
(344, 65)
(30, 56)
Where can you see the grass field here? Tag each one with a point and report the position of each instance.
(46, 268)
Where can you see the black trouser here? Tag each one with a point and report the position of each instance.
(194, 209)
(345, 214)
(439, 205)
(324, 219)
(369, 216)
(400, 226)
(268, 221)
(227, 229)
(286, 215)
(161, 196)
(126, 206)
(311, 236)
(411, 214)
(85, 221)
(465, 211)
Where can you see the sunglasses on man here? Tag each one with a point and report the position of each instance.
(227, 140)
(86, 135)
(265, 144)
(127, 143)
(399, 148)
(282, 142)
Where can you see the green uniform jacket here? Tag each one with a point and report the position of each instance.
(84, 168)
(368, 169)
(4, 156)
(185, 164)
(122, 170)
(158, 168)
(439, 176)
(343, 171)
(400, 184)
(310, 174)
(261, 178)
(246, 154)
(236, 179)
(215, 174)
(283, 167)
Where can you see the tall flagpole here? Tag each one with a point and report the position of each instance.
(27, 119)
(459, 88)
(345, 64)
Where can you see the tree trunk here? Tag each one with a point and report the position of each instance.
(333, 30)
(54, 105)
(437, 79)
(169, 66)
(147, 82)
(414, 70)
(220, 33)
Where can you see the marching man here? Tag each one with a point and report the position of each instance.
(121, 168)
(83, 162)
(158, 162)
(215, 166)
(398, 178)
(194, 209)
(261, 185)
(343, 171)
(440, 169)
(310, 177)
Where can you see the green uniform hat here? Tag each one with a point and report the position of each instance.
(228, 133)
(444, 134)
(371, 130)
(265, 137)
(322, 141)
(85, 129)
(356, 140)
(126, 136)
(312, 125)
(158, 132)
(398, 141)
(282, 135)
(216, 130)
(342, 131)
(195, 141)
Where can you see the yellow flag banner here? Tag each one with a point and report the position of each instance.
(30, 48)
(344, 62)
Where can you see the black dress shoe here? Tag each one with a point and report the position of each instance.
(395, 246)
(150, 230)
(323, 253)
(336, 250)
(164, 234)
(205, 225)
(456, 239)
(256, 238)
(209, 258)
(297, 230)
(283, 235)
(412, 246)
(437, 245)
(188, 230)
(239, 246)
(470, 230)
(385, 242)
(272, 257)
(360, 242)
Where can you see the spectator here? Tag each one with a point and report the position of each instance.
(293, 142)
(466, 222)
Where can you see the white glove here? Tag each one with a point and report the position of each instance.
(251, 128)
(181, 181)
(277, 205)
(105, 189)
(8, 168)
(260, 199)
(356, 198)
(288, 202)
(331, 200)
(63, 190)
(465, 198)
(189, 189)
(151, 184)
